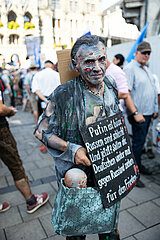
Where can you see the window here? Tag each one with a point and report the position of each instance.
(12, 16)
(56, 4)
(53, 22)
(92, 7)
(13, 39)
(27, 17)
(59, 23)
(71, 41)
(1, 39)
(70, 5)
(75, 6)
(88, 8)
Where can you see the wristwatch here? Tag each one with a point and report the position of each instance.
(135, 113)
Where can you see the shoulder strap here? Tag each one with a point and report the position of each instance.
(1, 92)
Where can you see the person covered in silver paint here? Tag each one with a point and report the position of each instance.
(88, 98)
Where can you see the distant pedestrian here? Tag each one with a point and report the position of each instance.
(32, 97)
(119, 60)
(10, 157)
(43, 84)
(144, 95)
(4, 74)
(148, 147)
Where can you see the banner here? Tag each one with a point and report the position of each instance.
(33, 49)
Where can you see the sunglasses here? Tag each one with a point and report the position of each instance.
(146, 52)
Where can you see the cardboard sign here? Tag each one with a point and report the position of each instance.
(64, 60)
(110, 152)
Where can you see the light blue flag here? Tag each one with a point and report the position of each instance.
(87, 31)
(131, 55)
(37, 55)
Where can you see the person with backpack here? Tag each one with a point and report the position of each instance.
(4, 75)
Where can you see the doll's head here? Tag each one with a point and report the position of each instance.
(75, 177)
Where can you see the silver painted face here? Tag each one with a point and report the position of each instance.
(91, 63)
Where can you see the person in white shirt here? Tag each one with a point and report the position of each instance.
(43, 84)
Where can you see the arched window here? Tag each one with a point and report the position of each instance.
(12, 16)
(1, 39)
(27, 17)
(13, 39)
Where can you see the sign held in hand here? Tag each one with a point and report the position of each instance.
(109, 149)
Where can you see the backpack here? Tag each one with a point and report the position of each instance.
(2, 84)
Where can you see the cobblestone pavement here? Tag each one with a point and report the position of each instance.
(140, 210)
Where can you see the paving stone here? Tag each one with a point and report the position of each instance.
(48, 161)
(10, 178)
(130, 238)
(146, 179)
(56, 237)
(29, 165)
(149, 234)
(4, 171)
(34, 157)
(35, 182)
(3, 182)
(55, 185)
(30, 231)
(44, 210)
(128, 225)
(47, 225)
(48, 179)
(2, 235)
(154, 187)
(157, 201)
(92, 237)
(140, 195)
(147, 213)
(15, 198)
(10, 218)
(157, 178)
(126, 203)
(43, 172)
(43, 188)
(8, 189)
(52, 199)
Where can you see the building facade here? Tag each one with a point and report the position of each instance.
(141, 11)
(58, 23)
(115, 29)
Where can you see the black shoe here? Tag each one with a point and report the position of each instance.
(150, 154)
(76, 237)
(143, 151)
(144, 170)
(139, 184)
(110, 236)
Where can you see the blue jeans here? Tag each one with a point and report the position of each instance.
(139, 132)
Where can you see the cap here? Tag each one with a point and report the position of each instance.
(33, 66)
(143, 47)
